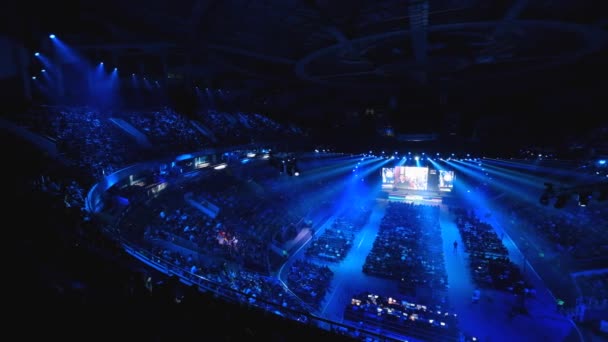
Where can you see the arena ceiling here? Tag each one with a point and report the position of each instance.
(348, 43)
(383, 48)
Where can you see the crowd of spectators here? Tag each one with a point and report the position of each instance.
(196, 248)
(167, 130)
(83, 136)
(246, 205)
(89, 137)
(231, 280)
(232, 248)
(309, 281)
(593, 290)
(235, 243)
(335, 241)
(239, 233)
(404, 317)
(242, 128)
(578, 231)
(73, 195)
(409, 249)
(310, 277)
(488, 257)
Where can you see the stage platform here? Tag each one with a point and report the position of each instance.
(415, 196)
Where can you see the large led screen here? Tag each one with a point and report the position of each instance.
(412, 177)
(446, 180)
(417, 178)
(388, 176)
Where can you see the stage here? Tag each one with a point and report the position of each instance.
(414, 196)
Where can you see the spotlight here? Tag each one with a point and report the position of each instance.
(36, 54)
(33, 77)
(43, 70)
(52, 36)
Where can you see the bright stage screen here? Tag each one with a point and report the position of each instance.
(417, 178)
(406, 177)
(446, 180)
(412, 177)
(388, 176)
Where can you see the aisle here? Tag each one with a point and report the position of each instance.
(348, 276)
(490, 319)
(460, 283)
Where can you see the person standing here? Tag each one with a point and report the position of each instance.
(455, 245)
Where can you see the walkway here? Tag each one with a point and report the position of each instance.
(349, 278)
(493, 318)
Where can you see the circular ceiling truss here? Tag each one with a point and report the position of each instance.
(458, 52)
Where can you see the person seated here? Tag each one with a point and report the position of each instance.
(476, 295)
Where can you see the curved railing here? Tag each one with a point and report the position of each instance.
(234, 296)
(94, 199)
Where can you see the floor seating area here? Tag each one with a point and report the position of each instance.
(409, 249)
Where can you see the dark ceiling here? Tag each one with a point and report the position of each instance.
(424, 56)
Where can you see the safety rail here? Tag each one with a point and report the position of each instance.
(234, 296)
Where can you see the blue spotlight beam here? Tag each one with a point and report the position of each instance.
(540, 170)
(68, 55)
(46, 62)
(476, 173)
(334, 168)
(369, 167)
(340, 187)
(519, 178)
(436, 164)
(513, 172)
